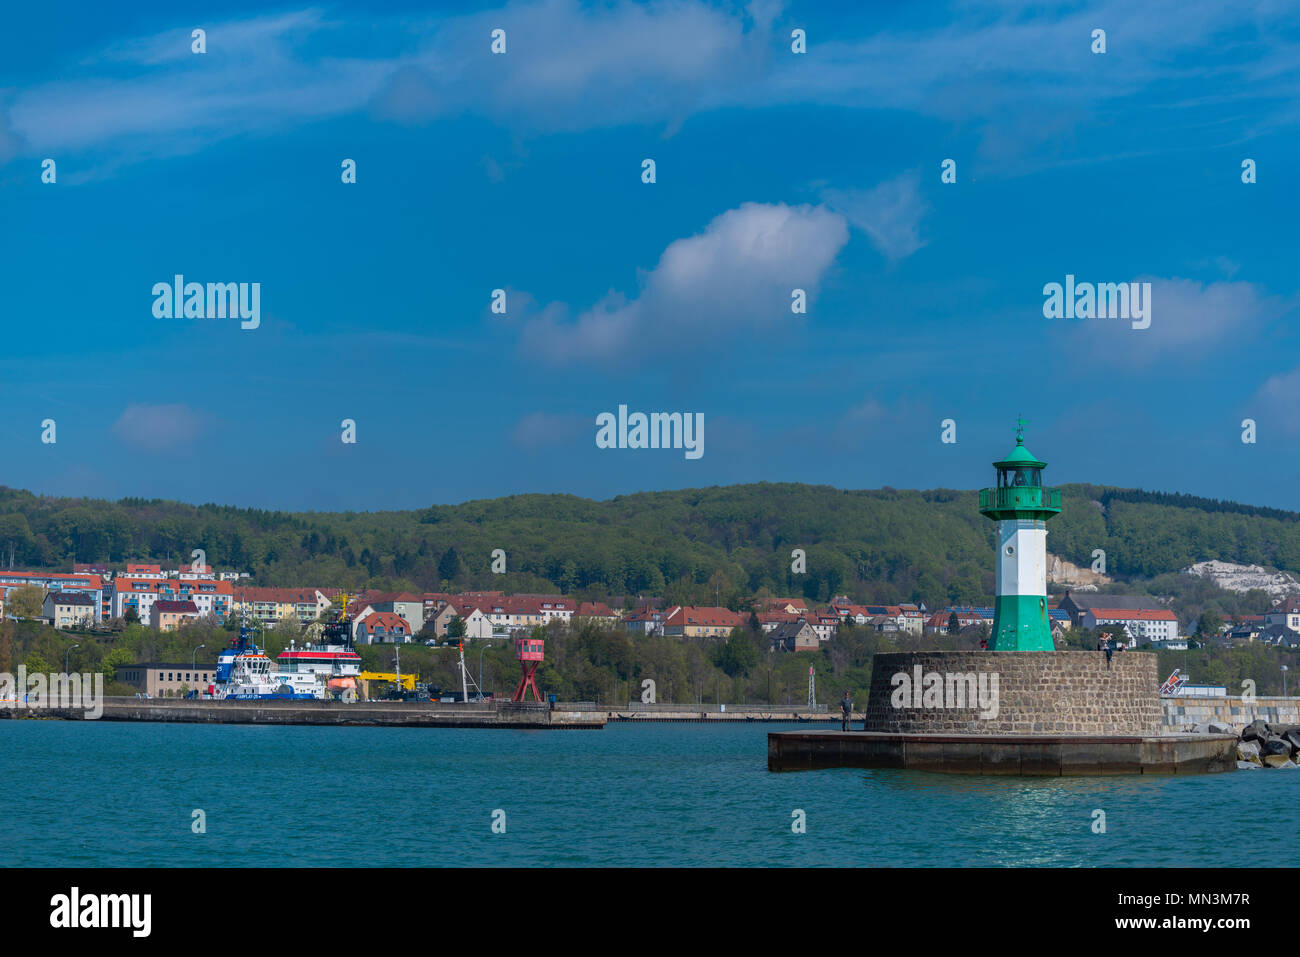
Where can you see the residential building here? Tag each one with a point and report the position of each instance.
(795, 635)
(408, 606)
(885, 624)
(824, 622)
(1287, 613)
(645, 621)
(140, 570)
(851, 613)
(215, 598)
(88, 584)
(706, 622)
(196, 572)
(1143, 625)
(382, 627)
(1279, 635)
(551, 607)
(1078, 605)
(471, 612)
(769, 621)
(793, 606)
(269, 605)
(168, 615)
(910, 620)
(596, 611)
(439, 620)
(69, 609)
(937, 624)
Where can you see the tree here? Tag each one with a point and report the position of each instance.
(449, 565)
(6, 646)
(456, 628)
(1208, 624)
(113, 660)
(25, 602)
(737, 654)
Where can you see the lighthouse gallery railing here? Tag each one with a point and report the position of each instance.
(1022, 496)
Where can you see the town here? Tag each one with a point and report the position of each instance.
(94, 598)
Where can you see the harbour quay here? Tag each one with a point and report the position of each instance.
(408, 714)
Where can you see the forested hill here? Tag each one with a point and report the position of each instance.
(689, 546)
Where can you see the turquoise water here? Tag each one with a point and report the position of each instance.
(110, 794)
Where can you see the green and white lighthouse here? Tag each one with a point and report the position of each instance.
(1021, 506)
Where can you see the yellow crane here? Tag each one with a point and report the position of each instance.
(407, 681)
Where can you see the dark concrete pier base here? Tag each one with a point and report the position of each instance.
(1051, 755)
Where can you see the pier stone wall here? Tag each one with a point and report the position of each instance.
(1038, 692)
(1182, 714)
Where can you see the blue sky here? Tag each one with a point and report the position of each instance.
(522, 171)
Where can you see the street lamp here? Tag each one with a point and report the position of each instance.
(69, 655)
(194, 661)
(1284, 671)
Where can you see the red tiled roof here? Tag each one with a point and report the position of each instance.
(388, 619)
(1133, 614)
(176, 606)
(705, 617)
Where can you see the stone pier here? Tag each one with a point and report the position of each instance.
(1010, 712)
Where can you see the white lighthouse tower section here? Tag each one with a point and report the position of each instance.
(1022, 557)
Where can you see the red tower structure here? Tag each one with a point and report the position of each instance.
(529, 653)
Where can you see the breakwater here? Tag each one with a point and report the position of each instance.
(1235, 712)
(1035, 713)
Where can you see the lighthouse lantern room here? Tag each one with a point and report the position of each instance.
(1021, 506)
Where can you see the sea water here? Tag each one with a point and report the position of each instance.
(154, 795)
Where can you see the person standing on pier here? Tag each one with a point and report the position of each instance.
(846, 711)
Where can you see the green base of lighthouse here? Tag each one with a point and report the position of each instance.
(1020, 624)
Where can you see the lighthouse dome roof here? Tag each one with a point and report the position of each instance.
(1020, 457)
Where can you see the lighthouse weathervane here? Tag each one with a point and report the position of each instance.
(1021, 506)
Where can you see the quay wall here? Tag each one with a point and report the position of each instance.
(418, 714)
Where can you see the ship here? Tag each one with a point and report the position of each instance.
(244, 673)
(330, 662)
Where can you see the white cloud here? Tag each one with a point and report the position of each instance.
(543, 430)
(1018, 74)
(890, 213)
(157, 428)
(737, 274)
(1189, 319)
(1276, 405)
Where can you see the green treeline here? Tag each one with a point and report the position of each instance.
(689, 546)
